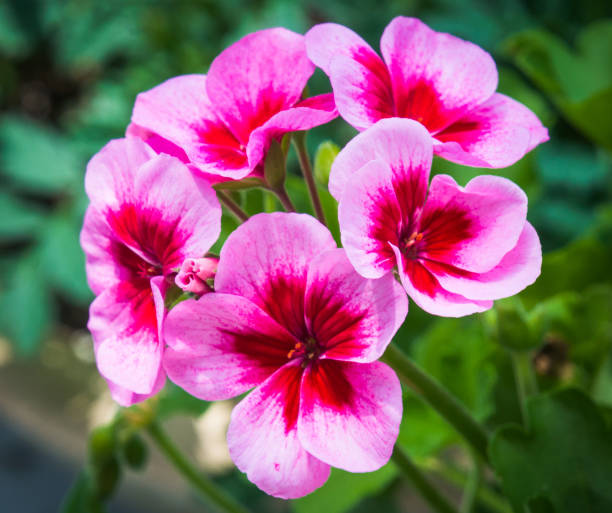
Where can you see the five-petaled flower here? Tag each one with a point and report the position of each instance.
(291, 317)
(222, 124)
(443, 82)
(456, 248)
(147, 214)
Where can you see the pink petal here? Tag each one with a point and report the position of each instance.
(258, 76)
(495, 134)
(124, 322)
(222, 345)
(437, 78)
(157, 143)
(350, 413)
(110, 172)
(263, 442)
(125, 397)
(183, 209)
(359, 77)
(305, 115)
(472, 227)
(99, 245)
(266, 260)
(401, 143)
(362, 91)
(518, 269)
(180, 113)
(353, 318)
(326, 41)
(424, 289)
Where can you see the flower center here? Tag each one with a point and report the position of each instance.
(308, 351)
(410, 245)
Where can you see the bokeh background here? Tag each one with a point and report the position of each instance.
(69, 73)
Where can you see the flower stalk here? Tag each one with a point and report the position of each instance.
(213, 494)
(299, 140)
(439, 398)
(433, 497)
(232, 206)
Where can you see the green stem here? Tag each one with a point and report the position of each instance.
(207, 488)
(470, 491)
(433, 497)
(524, 378)
(284, 198)
(299, 140)
(485, 495)
(232, 206)
(444, 403)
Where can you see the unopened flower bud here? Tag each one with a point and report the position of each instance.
(195, 272)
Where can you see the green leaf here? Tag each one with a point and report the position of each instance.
(245, 183)
(565, 456)
(26, 310)
(63, 257)
(174, 400)
(36, 158)
(324, 158)
(344, 490)
(18, 219)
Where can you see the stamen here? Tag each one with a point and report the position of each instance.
(298, 347)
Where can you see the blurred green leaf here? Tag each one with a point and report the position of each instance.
(579, 82)
(344, 490)
(565, 456)
(18, 219)
(64, 259)
(26, 310)
(36, 158)
(174, 400)
(97, 32)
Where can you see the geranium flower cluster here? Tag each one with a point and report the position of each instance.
(282, 310)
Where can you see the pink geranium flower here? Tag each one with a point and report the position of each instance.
(147, 213)
(291, 317)
(223, 123)
(456, 248)
(443, 82)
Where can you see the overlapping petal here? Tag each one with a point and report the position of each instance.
(258, 76)
(266, 261)
(222, 345)
(436, 77)
(350, 413)
(518, 269)
(472, 227)
(263, 438)
(125, 322)
(402, 144)
(353, 318)
(495, 134)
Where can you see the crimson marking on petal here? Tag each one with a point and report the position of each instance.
(332, 387)
(475, 128)
(443, 229)
(333, 324)
(269, 351)
(142, 307)
(420, 101)
(420, 277)
(283, 300)
(159, 241)
(288, 383)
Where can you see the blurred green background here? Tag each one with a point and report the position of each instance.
(69, 73)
